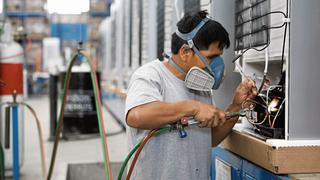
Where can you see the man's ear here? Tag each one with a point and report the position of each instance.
(185, 52)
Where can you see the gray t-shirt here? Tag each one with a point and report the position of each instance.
(167, 156)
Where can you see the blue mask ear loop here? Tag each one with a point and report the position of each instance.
(176, 66)
(171, 61)
(203, 59)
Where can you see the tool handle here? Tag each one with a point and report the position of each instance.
(230, 115)
(240, 113)
(7, 128)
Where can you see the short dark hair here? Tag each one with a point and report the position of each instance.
(211, 32)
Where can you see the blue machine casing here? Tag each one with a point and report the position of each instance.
(239, 168)
(229, 159)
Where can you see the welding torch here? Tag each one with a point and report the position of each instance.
(190, 121)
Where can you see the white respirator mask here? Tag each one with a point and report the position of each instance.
(196, 78)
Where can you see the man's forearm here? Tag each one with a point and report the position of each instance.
(157, 114)
(221, 132)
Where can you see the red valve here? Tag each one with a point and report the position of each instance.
(184, 120)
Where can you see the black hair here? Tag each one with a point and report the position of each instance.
(211, 32)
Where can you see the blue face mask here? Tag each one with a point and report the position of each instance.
(217, 71)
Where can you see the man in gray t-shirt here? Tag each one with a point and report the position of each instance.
(158, 95)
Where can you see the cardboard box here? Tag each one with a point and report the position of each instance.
(279, 160)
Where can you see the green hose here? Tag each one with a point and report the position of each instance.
(124, 164)
(95, 90)
(2, 165)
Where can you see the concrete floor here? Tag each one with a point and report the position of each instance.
(76, 151)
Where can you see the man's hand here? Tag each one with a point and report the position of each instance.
(246, 90)
(209, 116)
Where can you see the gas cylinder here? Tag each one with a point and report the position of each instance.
(11, 73)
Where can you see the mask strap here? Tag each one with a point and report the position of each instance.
(171, 61)
(192, 34)
(203, 59)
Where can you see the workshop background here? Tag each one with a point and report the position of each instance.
(65, 67)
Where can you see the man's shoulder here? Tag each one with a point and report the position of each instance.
(149, 69)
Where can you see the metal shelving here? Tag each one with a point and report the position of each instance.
(26, 14)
